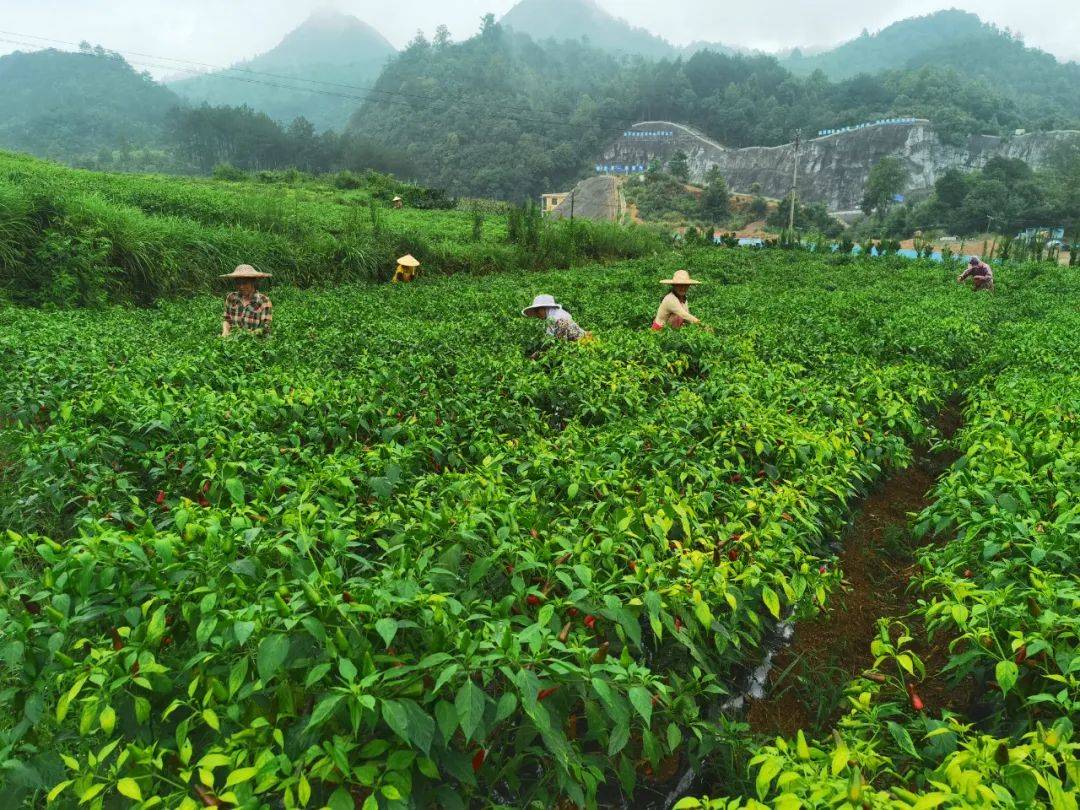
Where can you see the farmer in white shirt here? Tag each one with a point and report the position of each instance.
(674, 311)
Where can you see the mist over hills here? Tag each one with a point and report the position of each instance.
(60, 104)
(960, 41)
(328, 56)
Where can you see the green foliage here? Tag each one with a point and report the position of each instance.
(144, 238)
(659, 197)
(808, 217)
(888, 178)
(715, 200)
(421, 553)
(679, 167)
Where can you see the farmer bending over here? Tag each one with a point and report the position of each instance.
(559, 323)
(674, 311)
(246, 308)
(980, 274)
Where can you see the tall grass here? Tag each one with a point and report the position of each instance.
(75, 238)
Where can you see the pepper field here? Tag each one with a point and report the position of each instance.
(385, 559)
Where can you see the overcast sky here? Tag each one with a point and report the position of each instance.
(223, 31)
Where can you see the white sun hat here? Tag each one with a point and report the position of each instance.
(545, 301)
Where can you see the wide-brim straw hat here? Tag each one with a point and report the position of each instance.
(245, 272)
(397, 199)
(408, 260)
(681, 277)
(540, 302)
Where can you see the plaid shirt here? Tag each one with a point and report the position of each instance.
(255, 314)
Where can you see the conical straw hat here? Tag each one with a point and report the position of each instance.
(680, 277)
(408, 261)
(246, 271)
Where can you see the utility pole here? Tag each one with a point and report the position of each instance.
(572, 193)
(795, 180)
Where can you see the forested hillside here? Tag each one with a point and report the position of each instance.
(503, 115)
(72, 106)
(1046, 88)
(316, 72)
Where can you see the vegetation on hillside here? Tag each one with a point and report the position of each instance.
(1005, 196)
(78, 106)
(1047, 90)
(75, 238)
(500, 115)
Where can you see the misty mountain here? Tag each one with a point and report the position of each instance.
(320, 71)
(70, 106)
(962, 42)
(578, 19)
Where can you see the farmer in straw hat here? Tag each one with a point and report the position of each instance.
(559, 322)
(674, 311)
(406, 269)
(246, 308)
(979, 272)
(398, 202)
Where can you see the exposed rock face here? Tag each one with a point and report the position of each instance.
(833, 169)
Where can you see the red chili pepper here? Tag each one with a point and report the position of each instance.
(823, 570)
(590, 622)
(633, 566)
(1021, 655)
(968, 574)
(736, 537)
(533, 533)
(206, 487)
(117, 643)
(135, 669)
(346, 597)
(678, 624)
(916, 701)
(160, 499)
(478, 760)
(736, 478)
(544, 694)
(733, 555)
(573, 612)
(532, 599)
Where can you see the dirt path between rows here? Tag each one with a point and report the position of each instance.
(806, 684)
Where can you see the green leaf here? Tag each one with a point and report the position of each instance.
(211, 719)
(1006, 673)
(620, 736)
(642, 701)
(317, 673)
(469, 703)
(272, 653)
(409, 722)
(341, 799)
(347, 670)
(56, 791)
(243, 631)
(323, 711)
(130, 788)
(236, 490)
(387, 628)
(903, 739)
(768, 771)
(240, 775)
(772, 602)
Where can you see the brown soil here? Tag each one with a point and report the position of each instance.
(877, 564)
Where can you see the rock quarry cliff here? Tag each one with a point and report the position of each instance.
(833, 169)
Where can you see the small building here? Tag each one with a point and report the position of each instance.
(549, 202)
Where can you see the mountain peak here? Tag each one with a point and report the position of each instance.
(574, 19)
(331, 37)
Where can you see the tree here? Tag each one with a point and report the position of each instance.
(679, 166)
(888, 178)
(715, 201)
